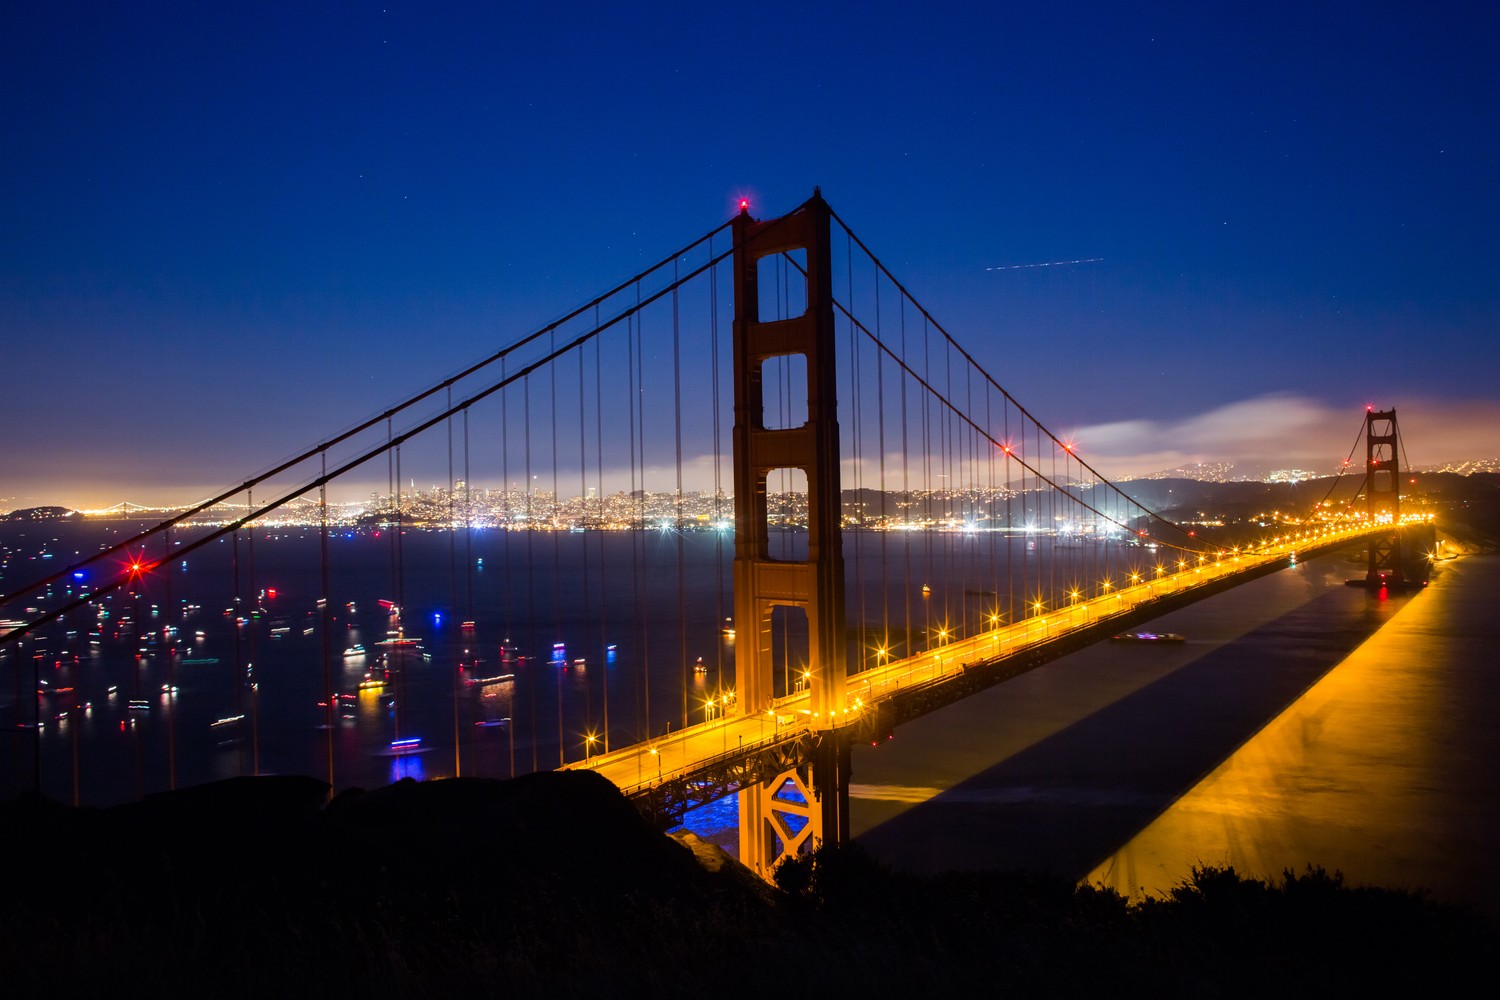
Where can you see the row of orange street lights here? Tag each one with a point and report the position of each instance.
(717, 707)
(1038, 607)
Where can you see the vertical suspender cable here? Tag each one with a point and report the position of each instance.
(1010, 523)
(991, 512)
(509, 524)
(583, 553)
(560, 666)
(885, 490)
(507, 539)
(599, 462)
(1052, 589)
(398, 548)
(952, 480)
(638, 464)
(1030, 601)
(330, 702)
(454, 662)
(927, 487)
(398, 540)
(856, 450)
(468, 529)
(166, 561)
(530, 630)
(906, 586)
(239, 658)
(469, 559)
(715, 375)
(682, 651)
(251, 626)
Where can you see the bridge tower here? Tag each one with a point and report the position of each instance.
(761, 583)
(1383, 494)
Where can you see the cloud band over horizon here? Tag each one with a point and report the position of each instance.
(1256, 436)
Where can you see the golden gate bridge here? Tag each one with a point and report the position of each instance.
(761, 447)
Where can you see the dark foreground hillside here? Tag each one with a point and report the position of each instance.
(551, 885)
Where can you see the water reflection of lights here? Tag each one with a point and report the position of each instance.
(407, 766)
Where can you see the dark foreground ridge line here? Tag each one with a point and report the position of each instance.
(552, 884)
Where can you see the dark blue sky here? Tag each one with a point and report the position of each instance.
(231, 229)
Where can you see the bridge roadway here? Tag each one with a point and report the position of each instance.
(723, 742)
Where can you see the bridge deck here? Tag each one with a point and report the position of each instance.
(680, 756)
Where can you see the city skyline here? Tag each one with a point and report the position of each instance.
(481, 504)
(1177, 235)
(363, 494)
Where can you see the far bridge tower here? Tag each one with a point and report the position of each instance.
(1398, 557)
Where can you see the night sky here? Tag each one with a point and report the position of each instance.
(228, 230)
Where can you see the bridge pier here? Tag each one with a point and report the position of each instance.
(797, 810)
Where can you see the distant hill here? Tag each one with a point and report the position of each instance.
(42, 514)
(1179, 499)
(1467, 505)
